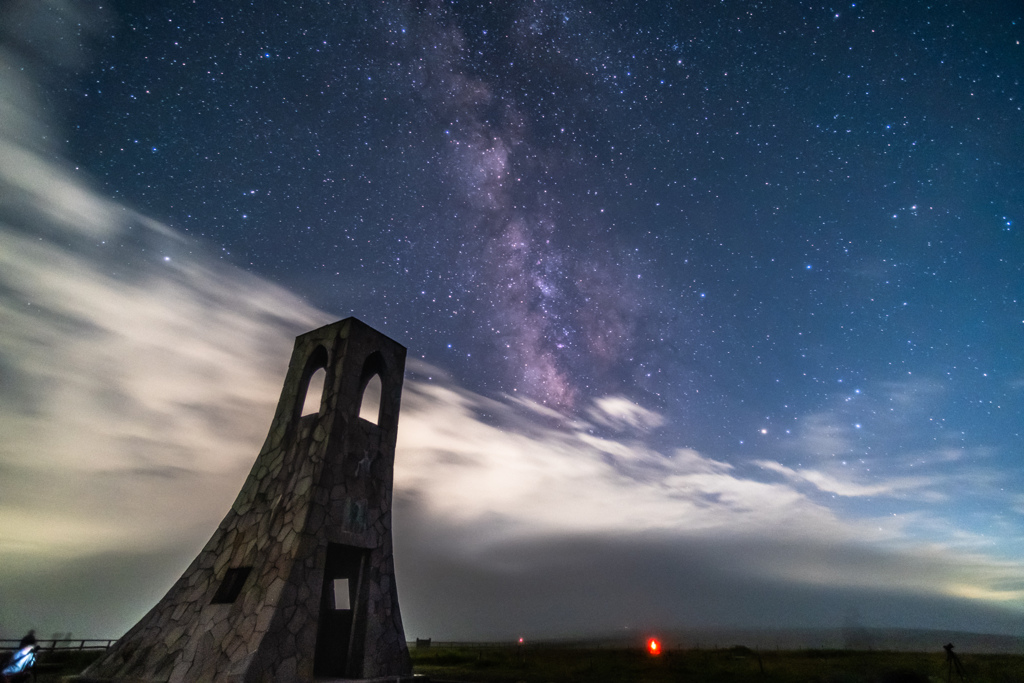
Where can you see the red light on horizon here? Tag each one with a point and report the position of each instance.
(654, 646)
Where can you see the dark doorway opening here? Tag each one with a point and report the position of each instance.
(342, 619)
(231, 586)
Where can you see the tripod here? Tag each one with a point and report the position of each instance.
(953, 663)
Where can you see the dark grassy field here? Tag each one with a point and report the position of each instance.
(52, 667)
(560, 664)
(552, 664)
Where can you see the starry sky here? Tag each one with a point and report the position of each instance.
(714, 309)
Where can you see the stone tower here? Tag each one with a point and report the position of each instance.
(298, 582)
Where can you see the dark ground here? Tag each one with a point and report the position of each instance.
(566, 664)
(591, 665)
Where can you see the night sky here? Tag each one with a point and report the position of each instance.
(727, 295)
(729, 211)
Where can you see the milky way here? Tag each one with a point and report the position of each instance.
(712, 208)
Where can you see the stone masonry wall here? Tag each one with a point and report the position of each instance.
(320, 479)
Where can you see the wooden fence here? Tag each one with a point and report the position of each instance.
(50, 645)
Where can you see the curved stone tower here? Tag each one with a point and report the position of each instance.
(298, 582)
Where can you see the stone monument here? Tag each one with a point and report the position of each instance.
(298, 582)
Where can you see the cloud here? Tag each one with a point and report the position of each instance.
(498, 505)
(618, 412)
(499, 481)
(115, 385)
(624, 585)
(859, 422)
(844, 487)
(132, 365)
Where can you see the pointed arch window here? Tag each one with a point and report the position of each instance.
(309, 398)
(371, 388)
(314, 393)
(369, 407)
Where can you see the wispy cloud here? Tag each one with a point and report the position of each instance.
(618, 412)
(134, 369)
(128, 381)
(562, 480)
(845, 487)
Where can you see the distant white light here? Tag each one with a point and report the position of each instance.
(167, 258)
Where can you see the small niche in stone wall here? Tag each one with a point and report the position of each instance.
(314, 393)
(341, 600)
(369, 409)
(231, 586)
